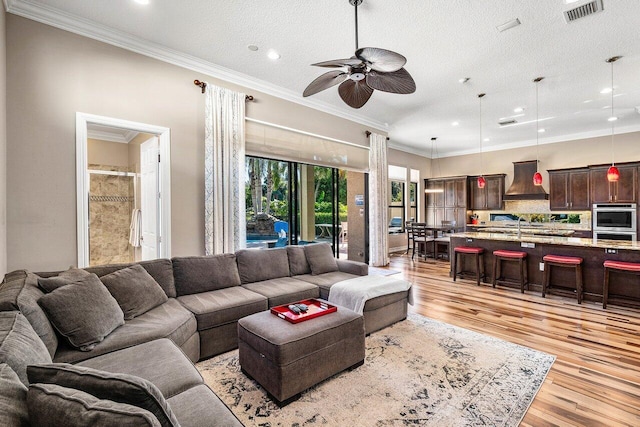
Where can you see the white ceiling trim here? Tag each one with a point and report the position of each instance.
(106, 136)
(56, 18)
(550, 140)
(411, 150)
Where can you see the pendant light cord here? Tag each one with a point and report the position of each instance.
(612, 119)
(481, 164)
(537, 128)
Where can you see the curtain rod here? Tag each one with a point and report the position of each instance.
(368, 133)
(203, 86)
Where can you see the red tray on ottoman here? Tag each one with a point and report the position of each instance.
(316, 308)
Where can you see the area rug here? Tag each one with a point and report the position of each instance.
(416, 372)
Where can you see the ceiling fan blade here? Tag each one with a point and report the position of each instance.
(325, 81)
(382, 60)
(337, 63)
(355, 93)
(396, 82)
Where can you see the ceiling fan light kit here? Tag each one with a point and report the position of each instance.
(370, 69)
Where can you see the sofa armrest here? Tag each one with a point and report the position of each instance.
(353, 267)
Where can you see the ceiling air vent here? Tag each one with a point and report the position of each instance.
(508, 122)
(583, 11)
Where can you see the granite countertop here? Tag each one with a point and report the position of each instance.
(553, 240)
(530, 230)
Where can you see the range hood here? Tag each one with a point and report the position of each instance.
(522, 187)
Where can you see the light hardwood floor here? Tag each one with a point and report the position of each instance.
(595, 380)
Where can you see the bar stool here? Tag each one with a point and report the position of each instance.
(504, 255)
(478, 254)
(565, 262)
(620, 267)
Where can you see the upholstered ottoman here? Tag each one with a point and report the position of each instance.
(287, 358)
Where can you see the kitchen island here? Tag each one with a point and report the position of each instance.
(624, 289)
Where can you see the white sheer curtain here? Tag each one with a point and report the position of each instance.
(378, 201)
(224, 170)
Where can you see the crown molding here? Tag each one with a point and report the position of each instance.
(86, 28)
(407, 149)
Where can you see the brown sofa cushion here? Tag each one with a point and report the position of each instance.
(258, 265)
(117, 387)
(320, 258)
(169, 320)
(205, 273)
(298, 263)
(160, 269)
(135, 290)
(21, 292)
(49, 284)
(84, 312)
(13, 398)
(20, 345)
(53, 405)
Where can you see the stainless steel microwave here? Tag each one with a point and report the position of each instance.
(614, 218)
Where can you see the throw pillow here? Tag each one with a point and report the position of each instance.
(84, 312)
(298, 263)
(135, 290)
(48, 284)
(13, 398)
(120, 388)
(320, 258)
(20, 345)
(53, 405)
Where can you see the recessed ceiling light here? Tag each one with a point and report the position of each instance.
(518, 110)
(612, 119)
(570, 1)
(486, 140)
(142, 1)
(606, 90)
(587, 101)
(252, 47)
(606, 107)
(455, 124)
(543, 130)
(273, 55)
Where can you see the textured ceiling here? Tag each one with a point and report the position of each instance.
(443, 40)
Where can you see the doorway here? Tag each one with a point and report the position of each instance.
(290, 203)
(123, 191)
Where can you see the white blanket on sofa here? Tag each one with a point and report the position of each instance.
(354, 293)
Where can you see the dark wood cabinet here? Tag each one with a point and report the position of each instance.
(623, 191)
(450, 204)
(488, 198)
(569, 189)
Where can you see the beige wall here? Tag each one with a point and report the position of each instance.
(53, 74)
(356, 231)
(3, 145)
(108, 153)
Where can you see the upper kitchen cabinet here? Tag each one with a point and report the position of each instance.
(488, 198)
(623, 191)
(569, 189)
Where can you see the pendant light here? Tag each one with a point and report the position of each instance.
(537, 177)
(434, 190)
(613, 174)
(481, 180)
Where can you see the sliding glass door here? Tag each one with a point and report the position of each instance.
(294, 203)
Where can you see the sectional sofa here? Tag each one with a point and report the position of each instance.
(188, 311)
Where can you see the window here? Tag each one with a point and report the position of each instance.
(413, 201)
(397, 212)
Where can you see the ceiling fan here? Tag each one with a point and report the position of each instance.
(370, 68)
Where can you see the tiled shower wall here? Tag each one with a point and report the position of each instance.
(111, 200)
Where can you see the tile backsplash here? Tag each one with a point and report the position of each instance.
(534, 207)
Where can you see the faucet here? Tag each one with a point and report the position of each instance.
(519, 233)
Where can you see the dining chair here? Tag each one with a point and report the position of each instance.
(344, 233)
(444, 241)
(421, 239)
(409, 229)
